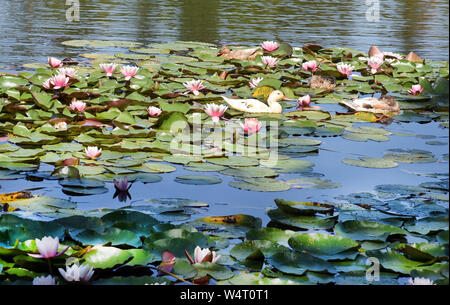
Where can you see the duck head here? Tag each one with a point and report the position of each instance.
(277, 96)
(225, 50)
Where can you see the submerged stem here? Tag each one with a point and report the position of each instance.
(171, 274)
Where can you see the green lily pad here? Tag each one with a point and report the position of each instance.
(371, 162)
(198, 180)
(367, 230)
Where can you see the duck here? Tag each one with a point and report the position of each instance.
(245, 54)
(383, 105)
(323, 82)
(256, 106)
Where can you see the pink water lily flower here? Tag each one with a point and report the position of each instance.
(93, 152)
(194, 86)
(48, 247)
(375, 62)
(269, 61)
(129, 72)
(109, 69)
(168, 260)
(78, 106)
(255, 82)
(44, 281)
(304, 101)
(205, 255)
(47, 84)
(55, 62)
(69, 72)
(122, 184)
(77, 273)
(269, 46)
(310, 66)
(345, 69)
(415, 90)
(215, 111)
(251, 125)
(154, 111)
(420, 281)
(59, 81)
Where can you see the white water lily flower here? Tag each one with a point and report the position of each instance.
(420, 281)
(205, 255)
(395, 55)
(44, 281)
(93, 152)
(255, 82)
(70, 72)
(77, 273)
(48, 247)
(61, 125)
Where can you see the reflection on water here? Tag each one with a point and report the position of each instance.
(33, 29)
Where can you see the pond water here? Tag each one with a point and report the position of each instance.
(33, 29)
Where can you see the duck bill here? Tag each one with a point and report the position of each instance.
(286, 98)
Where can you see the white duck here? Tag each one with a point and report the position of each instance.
(256, 106)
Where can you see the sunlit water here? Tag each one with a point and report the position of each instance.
(32, 30)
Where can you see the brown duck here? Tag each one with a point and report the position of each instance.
(244, 54)
(323, 82)
(383, 105)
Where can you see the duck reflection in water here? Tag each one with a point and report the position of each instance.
(122, 189)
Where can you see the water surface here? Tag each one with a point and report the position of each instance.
(33, 29)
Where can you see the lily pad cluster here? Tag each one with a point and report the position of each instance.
(403, 228)
(40, 126)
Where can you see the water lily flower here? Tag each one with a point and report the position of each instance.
(59, 81)
(44, 280)
(420, 281)
(129, 72)
(375, 63)
(55, 62)
(251, 125)
(205, 255)
(168, 260)
(69, 72)
(194, 86)
(255, 82)
(310, 66)
(122, 184)
(394, 55)
(61, 125)
(345, 69)
(48, 247)
(269, 46)
(304, 101)
(47, 84)
(93, 152)
(78, 106)
(109, 69)
(215, 111)
(415, 90)
(77, 273)
(154, 111)
(269, 61)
